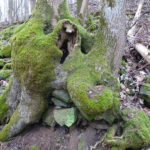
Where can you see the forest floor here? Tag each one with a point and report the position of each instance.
(132, 74)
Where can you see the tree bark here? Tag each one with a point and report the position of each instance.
(79, 4)
(84, 8)
(100, 64)
(49, 55)
(26, 92)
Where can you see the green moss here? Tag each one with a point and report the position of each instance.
(111, 3)
(64, 13)
(3, 106)
(136, 130)
(87, 39)
(5, 73)
(87, 72)
(1, 62)
(121, 72)
(91, 23)
(34, 147)
(5, 133)
(6, 51)
(116, 148)
(123, 63)
(147, 79)
(90, 107)
(7, 66)
(7, 33)
(38, 54)
(34, 50)
(79, 3)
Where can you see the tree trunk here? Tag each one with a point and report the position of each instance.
(92, 85)
(79, 4)
(29, 89)
(49, 55)
(84, 9)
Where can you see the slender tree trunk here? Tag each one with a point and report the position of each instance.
(84, 8)
(79, 4)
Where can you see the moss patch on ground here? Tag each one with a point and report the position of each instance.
(6, 51)
(1, 63)
(5, 73)
(34, 147)
(136, 130)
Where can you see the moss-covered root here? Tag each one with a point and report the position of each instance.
(92, 100)
(136, 130)
(3, 106)
(29, 111)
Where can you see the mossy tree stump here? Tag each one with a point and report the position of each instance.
(53, 51)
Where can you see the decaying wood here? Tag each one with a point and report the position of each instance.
(145, 52)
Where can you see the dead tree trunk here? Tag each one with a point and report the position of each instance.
(49, 55)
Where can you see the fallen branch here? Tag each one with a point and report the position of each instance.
(145, 52)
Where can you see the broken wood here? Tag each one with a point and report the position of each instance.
(145, 52)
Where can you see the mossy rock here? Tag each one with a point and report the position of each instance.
(7, 66)
(7, 33)
(61, 95)
(59, 103)
(2, 62)
(48, 117)
(66, 116)
(136, 130)
(145, 93)
(6, 51)
(5, 74)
